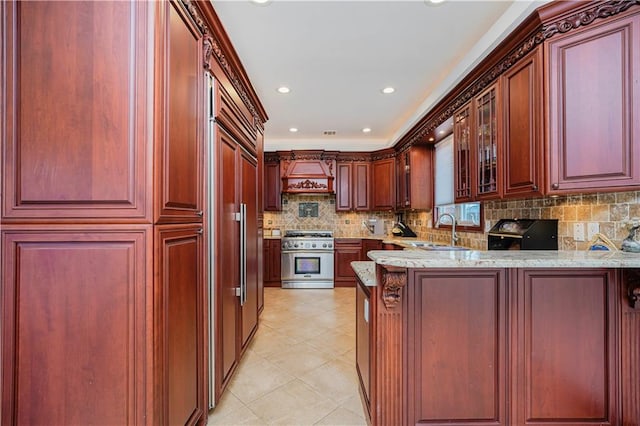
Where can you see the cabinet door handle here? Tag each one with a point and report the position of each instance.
(555, 186)
(199, 213)
(535, 187)
(200, 231)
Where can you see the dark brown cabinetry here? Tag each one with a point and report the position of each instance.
(497, 346)
(353, 186)
(272, 262)
(383, 184)
(180, 153)
(463, 154)
(522, 156)
(487, 143)
(346, 251)
(368, 245)
(181, 305)
(363, 341)
(272, 183)
(594, 131)
(414, 177)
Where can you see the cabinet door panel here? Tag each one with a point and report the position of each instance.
(182, 298)
(568, 348)
(275, 261)
(74, 326)
(463, 154)
(384, 184)
(181, 148)
(363, 340)
(76, 142)
(361, 186)
(272, 184)
(346, 251)
(344, 187)
(249, 196)
(458, 363)
(522, 95)
(593, 127)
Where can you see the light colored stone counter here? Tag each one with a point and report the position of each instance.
(505, 259)
(272, 237)
(366, 271)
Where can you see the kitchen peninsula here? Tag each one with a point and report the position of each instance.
(500, 338)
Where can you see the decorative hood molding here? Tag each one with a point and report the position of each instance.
(308, 175)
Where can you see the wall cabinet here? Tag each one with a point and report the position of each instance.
(353, 186)
(414, 177)
(272, 183)
(272, 262)
(383, 184)
(462, 154)
(522, 157)
(594, 131)
(487, 144)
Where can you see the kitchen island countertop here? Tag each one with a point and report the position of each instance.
(505, 259)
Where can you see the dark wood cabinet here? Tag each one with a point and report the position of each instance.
(487, 143)
(538, 346)
(463, 160)
(383, 184)
(272, 262)
(353, 186)
(346, 251)
(594, 131)
(236, 186)
(368, 245)
(566, 345)
(272, 183)
(363, 341)
(64, 159)
(180, 151)
(414, 176)
(76, 325)
(458, 358)
(180, 302)
(522, 155)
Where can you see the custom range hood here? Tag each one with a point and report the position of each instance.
(311, 173)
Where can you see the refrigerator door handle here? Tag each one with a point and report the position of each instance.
(243, 253)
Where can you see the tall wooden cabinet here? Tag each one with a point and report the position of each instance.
(103, 266)
(353, 186)
(594, 131)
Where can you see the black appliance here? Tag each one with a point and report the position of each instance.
(401, 230)
(524, 234)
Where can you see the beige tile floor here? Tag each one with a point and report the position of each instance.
(300, 367)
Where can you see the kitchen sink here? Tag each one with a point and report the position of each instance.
(435, 247)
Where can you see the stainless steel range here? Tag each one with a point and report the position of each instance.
(307, 259)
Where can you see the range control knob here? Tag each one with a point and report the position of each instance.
(324, 245)
(313, 245)
(330, 245)
(296, 245)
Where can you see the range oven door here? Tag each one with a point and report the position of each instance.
(307, 269)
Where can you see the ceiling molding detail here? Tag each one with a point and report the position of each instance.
(212, 46)
(543, 33)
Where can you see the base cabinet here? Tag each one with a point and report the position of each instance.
(347, 250)
(498, 347)
(272, 262)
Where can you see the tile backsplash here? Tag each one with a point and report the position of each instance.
(614, 213)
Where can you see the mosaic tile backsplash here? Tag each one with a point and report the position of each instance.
(614, 213)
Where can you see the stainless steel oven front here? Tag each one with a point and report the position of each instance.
(307, 269)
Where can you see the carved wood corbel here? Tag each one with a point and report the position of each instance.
(393, 280)
(633, 287)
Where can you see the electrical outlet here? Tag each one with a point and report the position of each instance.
(578, 231)
(592, 229)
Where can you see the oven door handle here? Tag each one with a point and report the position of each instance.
(306, 252)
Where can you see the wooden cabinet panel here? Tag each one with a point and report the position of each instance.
(346, 251)
(463, 154)
(272, 262)
(383, 187)
(368, 245)
(234, 116)
(414, 169)
(181, 311)
(88, 160)
(272, 185)
(76, 325)
(594, 131)
(488, 143)
(522, 112)
(458, 356)
(180, 152)
(352, 186)
(363, 341)
(567, 346)
(249, 197)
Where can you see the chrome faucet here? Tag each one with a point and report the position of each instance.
(454, 236)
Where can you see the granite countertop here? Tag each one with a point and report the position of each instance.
(272, 237)
(366, 271)
(505, 259)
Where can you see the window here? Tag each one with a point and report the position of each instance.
(468, 215)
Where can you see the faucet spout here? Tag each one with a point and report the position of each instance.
(454, 235)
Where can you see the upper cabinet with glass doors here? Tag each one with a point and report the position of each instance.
(487, 147)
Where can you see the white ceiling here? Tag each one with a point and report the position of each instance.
(336, 56)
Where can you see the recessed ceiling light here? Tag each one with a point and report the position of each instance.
(283, 89)
(441, 132)
(388, 90)
(434, 2)
(431, 139)
(293, 129)
(261, 2)
(366, 130)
